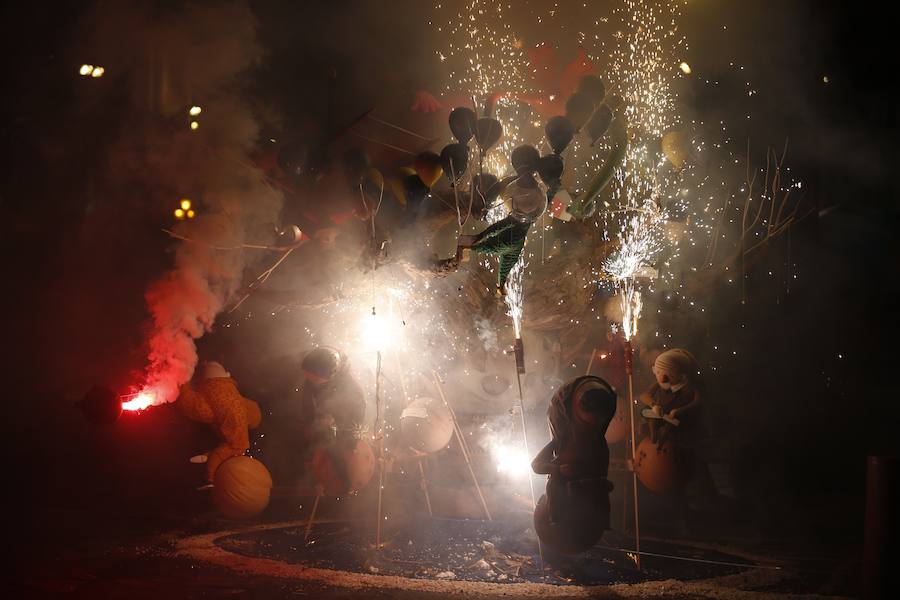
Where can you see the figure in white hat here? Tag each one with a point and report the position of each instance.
(675, 397)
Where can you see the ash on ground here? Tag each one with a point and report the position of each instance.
(472, 550)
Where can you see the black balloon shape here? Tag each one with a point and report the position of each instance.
(462, 123)
(550, 169)
(454, 160)
(559, 132)
(524, 159)
(579, 108)
(488, 132)
(593, 87)
(599, 123)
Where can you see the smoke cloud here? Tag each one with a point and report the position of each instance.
(189, 133)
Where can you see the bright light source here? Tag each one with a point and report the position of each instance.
(511, 461)
(139, 401)
(98, 72)
(194, 125)
(85, 69)
(685, 68)
(374, 334)
(195, 110)
(179, 214)
(190, 214)
(185, 203)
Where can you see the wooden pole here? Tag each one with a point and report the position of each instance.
(462, 446)
(312, 516)
(637, 523)
(591, 362)
(424, 483)
(528, 453)
(379, 431)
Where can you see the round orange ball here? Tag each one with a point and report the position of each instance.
(242, 487)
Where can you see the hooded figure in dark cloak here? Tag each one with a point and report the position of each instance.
(574, 513)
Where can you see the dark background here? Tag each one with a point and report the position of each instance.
(810, 396)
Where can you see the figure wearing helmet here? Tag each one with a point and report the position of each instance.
(216, 400)
(332, 403)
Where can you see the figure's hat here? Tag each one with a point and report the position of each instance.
(677, 362)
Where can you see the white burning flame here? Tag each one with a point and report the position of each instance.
(511, 459)
(631, 308)
(515, 296)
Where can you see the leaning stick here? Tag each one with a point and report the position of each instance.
(591, 362)
(262, 278)
(462, 446)
(312, 516)
(424, 481)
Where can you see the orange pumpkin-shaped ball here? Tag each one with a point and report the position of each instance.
(241, 487)
(426, 425)
(663, 468)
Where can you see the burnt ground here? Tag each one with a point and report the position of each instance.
(475, 550)
(84, 555)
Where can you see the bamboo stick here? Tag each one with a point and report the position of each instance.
(425, 488)
(637, 522)
(312, 516)
(463, 448)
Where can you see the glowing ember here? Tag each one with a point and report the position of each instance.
(139, 401)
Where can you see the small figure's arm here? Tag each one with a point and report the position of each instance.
(647, 397)
(543, 462)
(688, 408)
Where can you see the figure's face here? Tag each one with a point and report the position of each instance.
(313, 378)
(667, 380)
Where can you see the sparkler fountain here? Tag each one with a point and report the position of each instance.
(514, 302)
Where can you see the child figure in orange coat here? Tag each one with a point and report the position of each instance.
(217, 401)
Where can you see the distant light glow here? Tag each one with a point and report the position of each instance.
(179, 213)
(194, 125)
(91, 71)
(185, 204)
(685, 68)
(195, 110)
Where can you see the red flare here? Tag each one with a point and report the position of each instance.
(139, 401)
